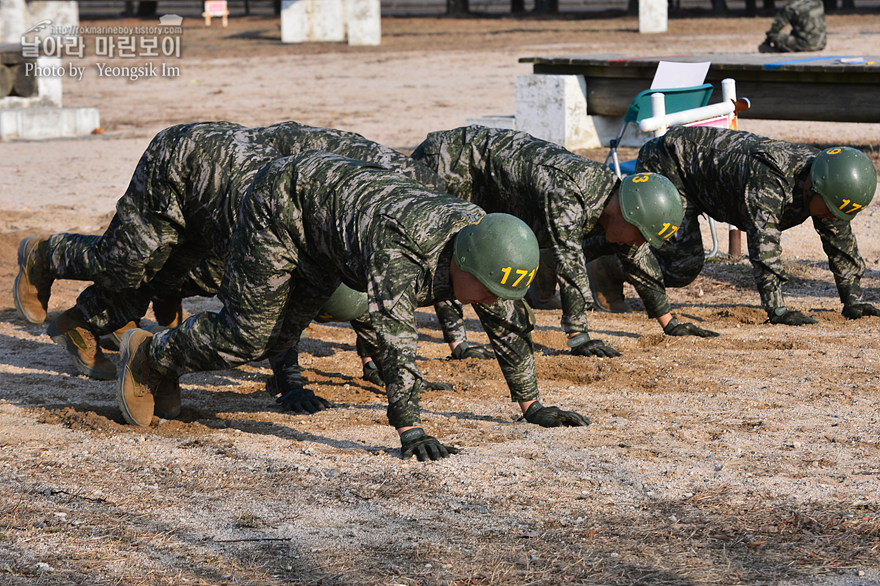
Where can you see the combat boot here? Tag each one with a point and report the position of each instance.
(114, 340)
(167, 398)
(168, 312)
(33, 284)
(606, 284)
(71, 332)
(141, 389)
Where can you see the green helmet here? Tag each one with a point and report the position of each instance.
(345, 304)
(501, 251)
(651, 203)
(846, 180)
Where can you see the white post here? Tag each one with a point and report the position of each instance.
(658, 111)
(64, 16)
(13, 20)
(364, 21)
(653, 16)
(312, 20)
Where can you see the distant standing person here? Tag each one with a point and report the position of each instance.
(807, 21)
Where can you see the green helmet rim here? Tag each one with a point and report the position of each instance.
(521, 250)
(668, 199)
(859, 178)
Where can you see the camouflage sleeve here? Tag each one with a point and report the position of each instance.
(844, 259)
(640, 267)
(565, 221)
(509, 325)
(782, 20)
(450, 316)
(392, 314)
(765, 254)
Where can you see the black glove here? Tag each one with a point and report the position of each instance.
(582, 345)
(554, 416)
(787, 317)
(468, 350)
(372, 374)
(674, 328)
(295, 397)
(425, 447)
(302, 400)
(859, 310)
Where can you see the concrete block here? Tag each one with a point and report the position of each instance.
(40, 123)
(13, 20)
(653, 16)
(49, 88)
(364, 22)
(554, 108)
(508, 122)
(62, 14)
(312, 20)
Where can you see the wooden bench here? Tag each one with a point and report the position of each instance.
(839, 88)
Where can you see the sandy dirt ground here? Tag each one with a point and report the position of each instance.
(752, 458)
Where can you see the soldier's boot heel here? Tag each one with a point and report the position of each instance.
(71, 332)
(606, 284)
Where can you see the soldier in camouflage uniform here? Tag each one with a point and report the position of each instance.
(292, 138)
(563, 197)
(761, 186)
(188, 184)
(807, 21)
(177, 213)
(312, 221)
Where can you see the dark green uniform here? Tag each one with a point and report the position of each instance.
(178, 211)
(313, 221)
(749, 181)
(172, 226)
(807, 21)
(560, 195)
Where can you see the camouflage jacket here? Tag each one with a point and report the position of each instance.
(213, 163)
(807, 21)
(315, 220)
(756, 184)
(292, 138)
(208, 166)
(560, 195)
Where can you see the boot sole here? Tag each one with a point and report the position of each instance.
(125, 354)
(22, 258)
(598, 306)
(70, 348)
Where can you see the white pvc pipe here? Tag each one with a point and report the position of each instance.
(655, 122)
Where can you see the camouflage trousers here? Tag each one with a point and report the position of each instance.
(143, 253)
(786, 43)
(258, 320)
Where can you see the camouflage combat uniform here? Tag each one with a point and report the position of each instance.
(292, 138)
(807, 21)
(171, 227)
(313, 221)
(753, 183)
(173, 224)
(560, 195)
